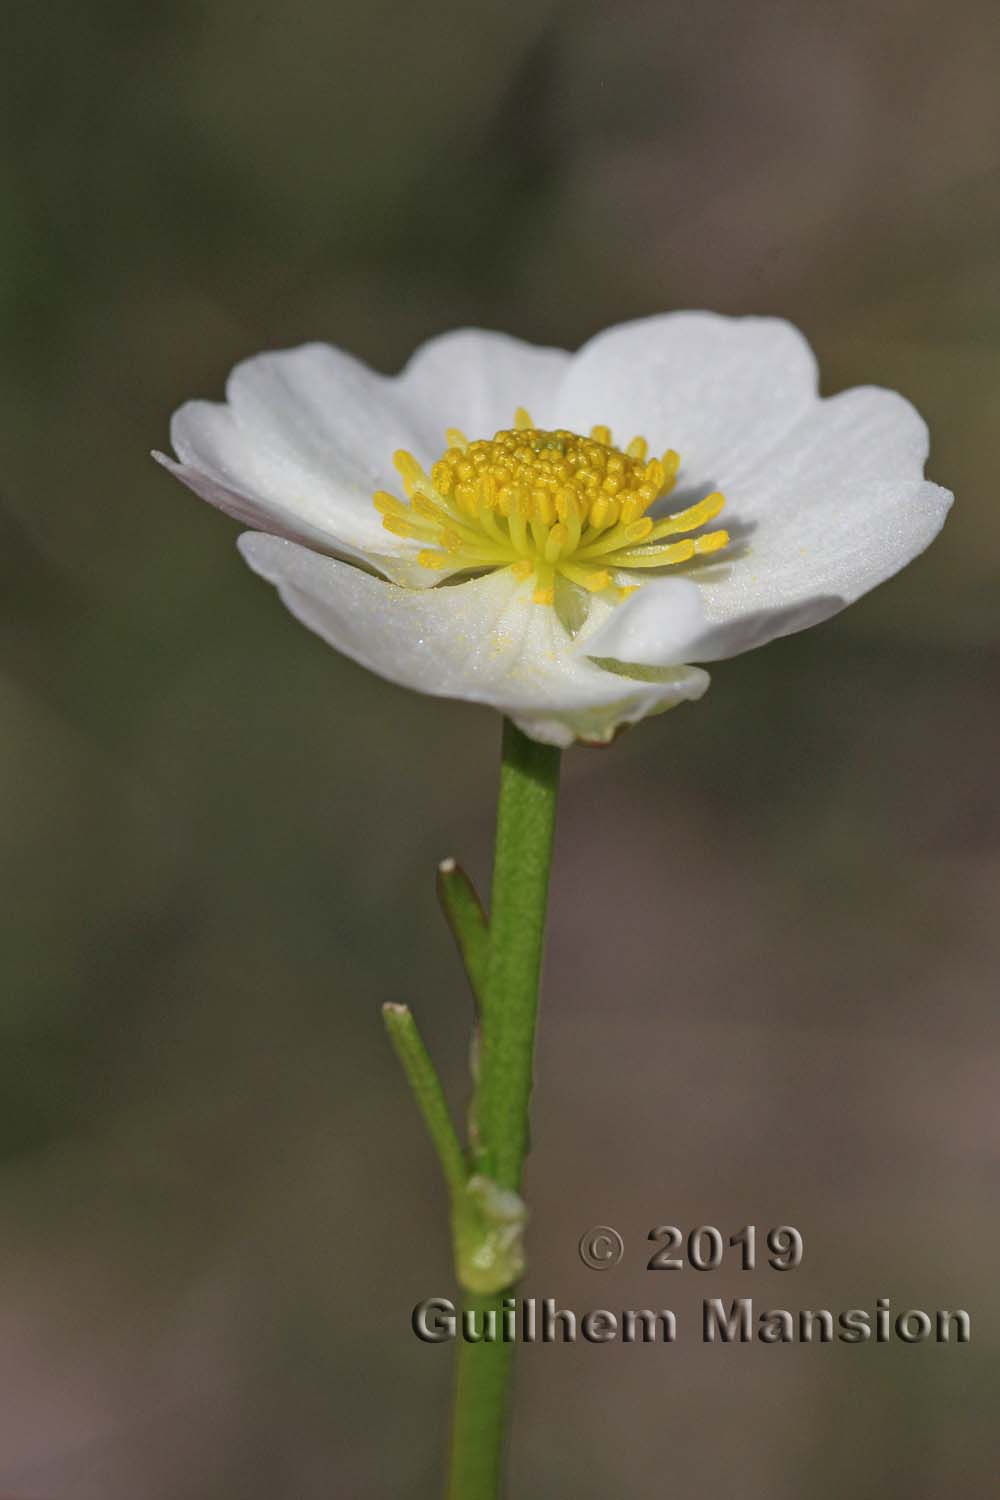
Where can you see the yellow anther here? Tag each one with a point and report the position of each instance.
(656, 557)
(443, 477)
(545, 509)
(633, 503)
(410, 470)
(542, 503)
(388, 505)
(421, 506)
(690, 519)
(567, 502)
(713, 542)
(599, 512)
(399, 527)
(655, 475)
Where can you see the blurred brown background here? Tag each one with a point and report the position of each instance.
(771, 989)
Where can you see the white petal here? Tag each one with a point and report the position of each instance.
(658, 623)
(305, 438)
(835, 546)
(835, 508)
(484, 641)
(718, 390)
(326, 411)
(826, 556)
(307, 435)
(864, 433)
(476, 380)
(401, 567)
(666, 622)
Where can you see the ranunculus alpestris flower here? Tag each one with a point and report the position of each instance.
(543, 531)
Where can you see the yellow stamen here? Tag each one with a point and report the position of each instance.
(545, 585)
(599, 513)
(591, 579)
(399, 527)
(412, 473)
(387, 504)
(656, 557)
(427, 508)
(555, 543)
(713, 541)
(545, 503)
(673, 552)
(690, 519)
(443, 478)
(620, 536)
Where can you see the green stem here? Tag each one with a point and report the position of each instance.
(526, 812)
(479, 1423)
(526, 809)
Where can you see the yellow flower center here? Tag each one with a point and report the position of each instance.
(547, 504)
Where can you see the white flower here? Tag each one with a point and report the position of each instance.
(526, 562)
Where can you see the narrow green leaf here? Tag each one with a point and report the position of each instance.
(428, 1093)
(465, 916)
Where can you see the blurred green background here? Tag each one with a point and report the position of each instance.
(770, 991)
